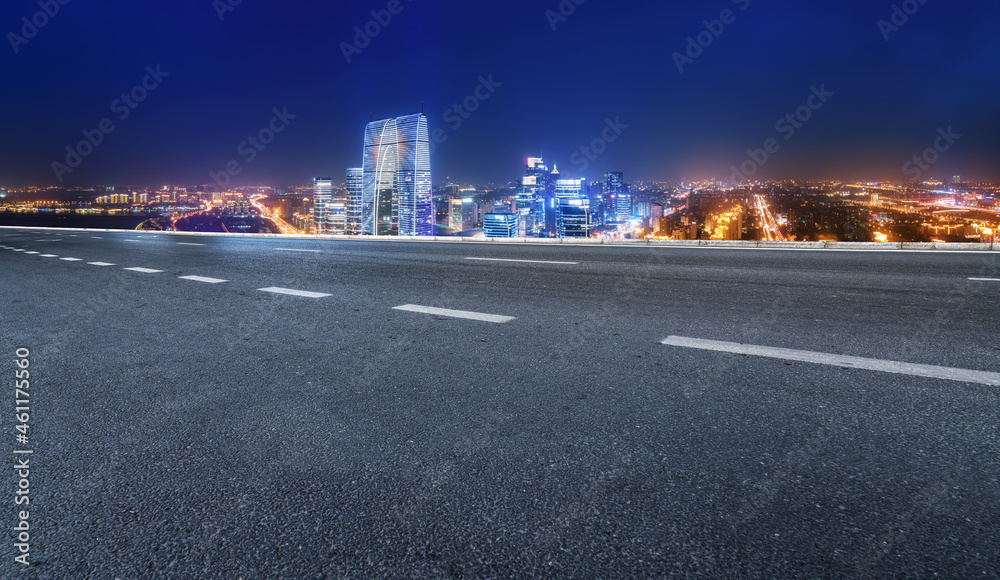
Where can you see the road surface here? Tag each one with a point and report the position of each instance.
(224, 407)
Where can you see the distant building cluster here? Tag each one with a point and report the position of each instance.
(123, 199)
(391, 193)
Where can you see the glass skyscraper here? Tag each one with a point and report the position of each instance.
(322, 200)
(396, 194)
(619, 201)
(355, 192)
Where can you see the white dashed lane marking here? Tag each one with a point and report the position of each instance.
(455, 313)
(523, 261)
(145, 270)
(293, 250)
(71, 259)
(188, 244)
(102, 264)
(820, 358)
(291, 292)
(203, 279)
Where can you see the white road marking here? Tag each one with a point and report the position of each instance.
(293, 250)
(455, 313)
(49, 256)
(985, 279)
(188, 244)
(134, 241)
(291, 292)
(145, 270)
(18, 250)
(523, 261)
(100, 263)
(203, 279)
(33, 253)
(870, 364)
(96, 238)
(71, 259)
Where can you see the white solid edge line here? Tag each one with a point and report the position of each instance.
(291, 292)
(203, 279)
(871, 364)
(522, 261)
(144, 270)
(985, 279)
(100, 263)
(294, 250)
(455, 313)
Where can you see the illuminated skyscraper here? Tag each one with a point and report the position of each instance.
(619, 200)
(322, 199)
(355, 192)
(396, 194)
(573, 208)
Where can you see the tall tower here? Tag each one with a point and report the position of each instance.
(355, 193)
(396, 179)
(322, 200)
(619, 201)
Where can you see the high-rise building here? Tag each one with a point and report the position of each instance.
(322, 199)
(618, 199)
(574, 219)
(355, 193)
(573, 208)
(500, 225)
(455, 214)
(397, 178)
(338, 218)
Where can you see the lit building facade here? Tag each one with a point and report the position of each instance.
(396, 178)
(355, 193)
(500, 225)
(322, 200)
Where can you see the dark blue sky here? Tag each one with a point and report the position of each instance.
(557, 87)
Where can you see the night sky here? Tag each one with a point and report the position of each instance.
(556, 90)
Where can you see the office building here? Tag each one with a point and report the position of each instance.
(500, 225)
(396, 196)
(355, 193)
(322, 198)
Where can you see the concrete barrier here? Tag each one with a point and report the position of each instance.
(922, 246)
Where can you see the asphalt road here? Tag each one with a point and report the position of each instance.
(187, 429)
